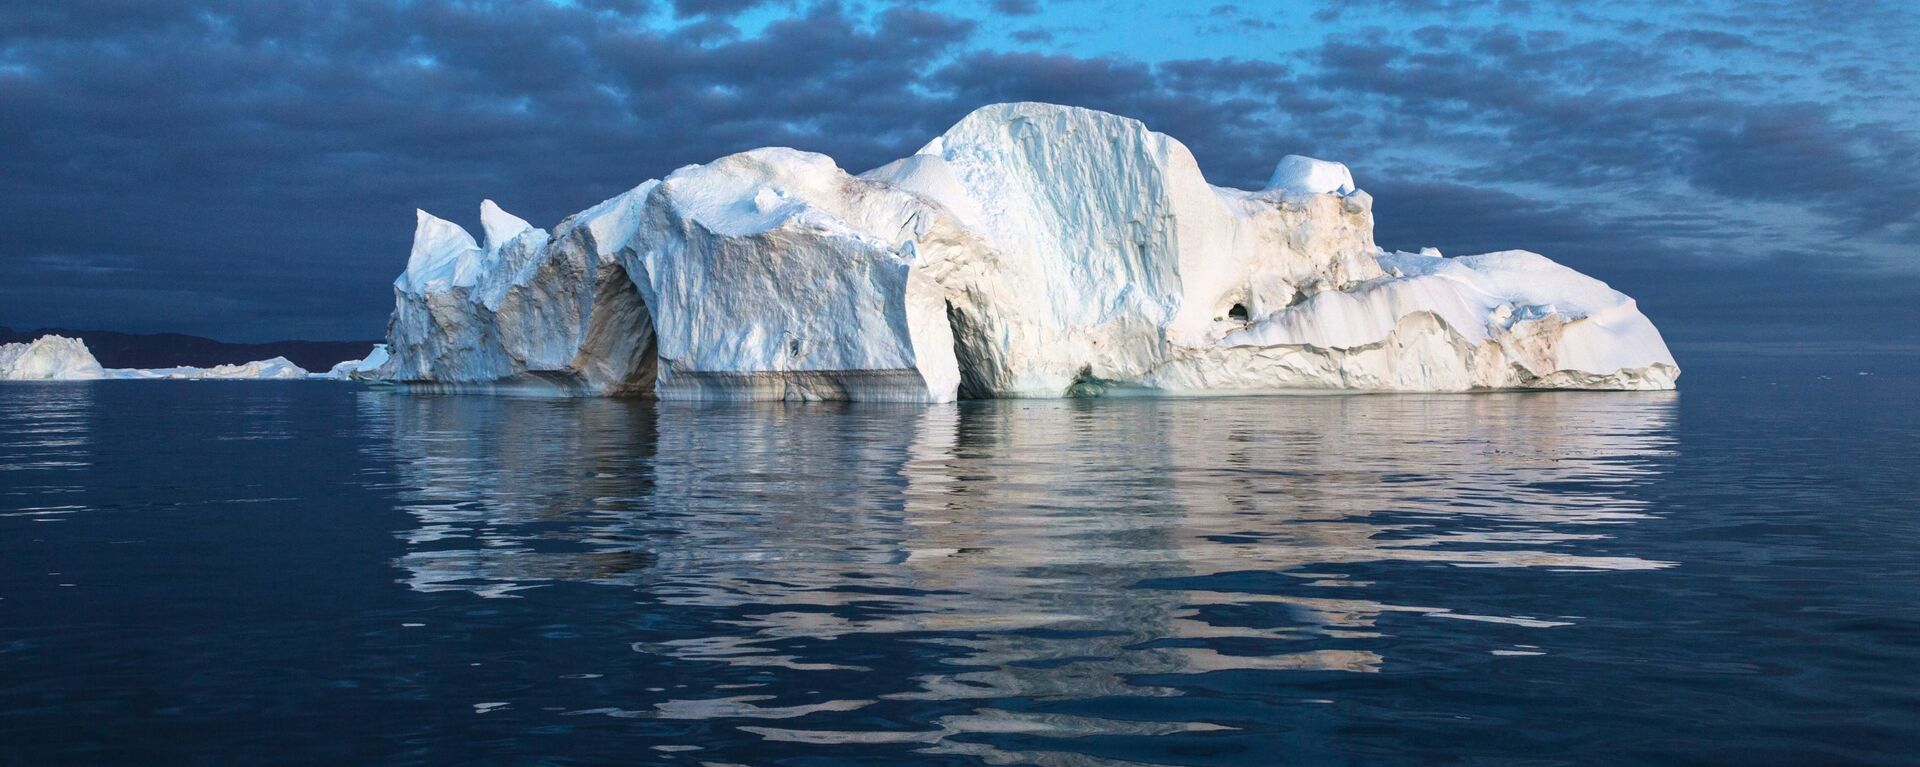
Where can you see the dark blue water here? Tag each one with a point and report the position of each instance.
(314, 573)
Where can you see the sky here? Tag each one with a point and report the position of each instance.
(1749, 170)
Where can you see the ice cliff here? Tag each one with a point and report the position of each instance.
(57, 358)
(1031, 250)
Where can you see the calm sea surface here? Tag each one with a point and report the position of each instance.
(316, 573)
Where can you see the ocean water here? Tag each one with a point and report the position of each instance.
(316, 573)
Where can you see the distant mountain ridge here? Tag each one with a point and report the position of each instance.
(164, 350)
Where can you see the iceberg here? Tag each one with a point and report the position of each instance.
(49, 358)
(1031, 250)
(341, 371)
(367, 368)
(57, 358)
(278, 368)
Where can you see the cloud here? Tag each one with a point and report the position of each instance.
(1534, 105)
(1032, 35)
(1710, 39)
(1456, 9)
(710, 8)
(1230, 19)
(1016, 7)
(273, 155)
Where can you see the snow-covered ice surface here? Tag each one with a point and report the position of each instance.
(1031, 250)
(1305, 175)
(57, 358)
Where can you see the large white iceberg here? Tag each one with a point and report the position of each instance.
(1031, 250)
(57, 358)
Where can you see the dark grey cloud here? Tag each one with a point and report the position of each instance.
(1540, 103)
(1016, 7)
(249, 171)
(1693, 167)
(270, 157)
(1230, 18)
(1710, 39)
(1032, 35)
(713, 8)
(1450, 8)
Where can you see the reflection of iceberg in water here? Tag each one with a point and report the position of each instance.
(515, 494)
(46, 427)
(46, 444)
(1046, 552)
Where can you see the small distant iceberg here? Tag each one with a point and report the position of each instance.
(58, 358)
(276, 369)
(365, 369)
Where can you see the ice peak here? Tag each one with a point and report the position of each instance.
(433, 234)
(499, 226)
(442, 252)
